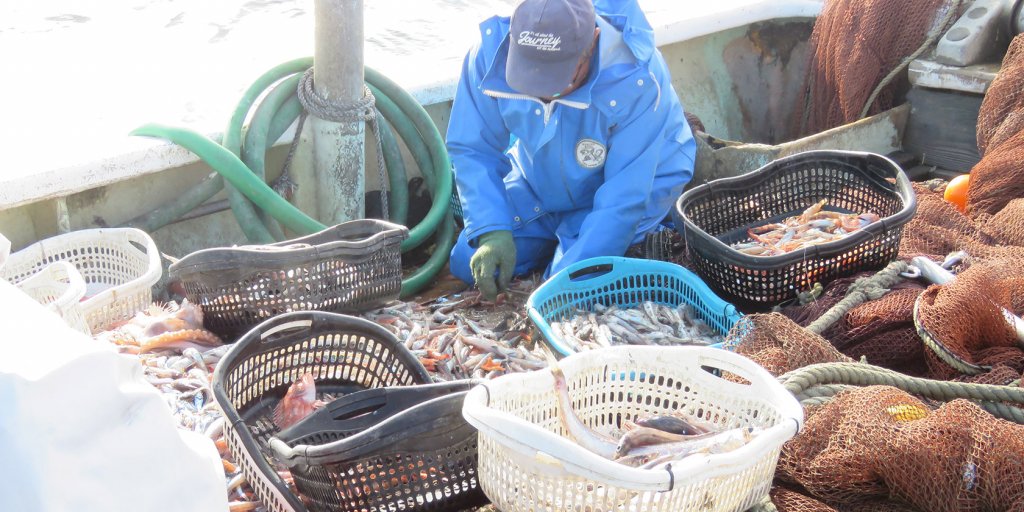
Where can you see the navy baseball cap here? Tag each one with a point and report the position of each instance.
(546, 40)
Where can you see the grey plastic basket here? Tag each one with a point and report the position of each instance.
(351, 267)
(345, 354)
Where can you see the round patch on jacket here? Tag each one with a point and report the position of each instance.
(590, 153)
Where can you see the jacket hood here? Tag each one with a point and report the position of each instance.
(628, 18)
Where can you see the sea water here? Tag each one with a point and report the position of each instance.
(78, 75)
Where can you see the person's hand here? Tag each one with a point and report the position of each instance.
(495, 252)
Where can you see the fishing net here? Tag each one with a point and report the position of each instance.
(1007, 226)
(858, 46)
(787, 500)
(999, 177)
(970, 340)
(1002, 110)
(879, 443)
(966, 328)
(879, 448)
(778, 344)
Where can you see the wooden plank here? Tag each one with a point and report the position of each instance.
(941, 128)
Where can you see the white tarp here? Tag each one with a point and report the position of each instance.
(80, 430)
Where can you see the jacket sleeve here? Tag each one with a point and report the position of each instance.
(634, 150)
(477, 139)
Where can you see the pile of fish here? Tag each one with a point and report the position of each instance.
(178, 357)
(466, 337)
(650, 442)
(812, 227)
(648, 324)
(454, 337)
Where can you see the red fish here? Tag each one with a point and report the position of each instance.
(300, 401)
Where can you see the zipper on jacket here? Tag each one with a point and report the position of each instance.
(548, 107)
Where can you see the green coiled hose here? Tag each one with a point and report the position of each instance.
(258, 208)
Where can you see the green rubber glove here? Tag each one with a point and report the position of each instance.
(495, 252)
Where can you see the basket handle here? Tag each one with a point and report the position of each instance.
(699, 466)
(285, 453)
(762, 384)
(589, 269)
(287, 326)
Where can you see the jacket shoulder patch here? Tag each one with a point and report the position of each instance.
(590, 154)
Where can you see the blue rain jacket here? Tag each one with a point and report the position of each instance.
(618, 148)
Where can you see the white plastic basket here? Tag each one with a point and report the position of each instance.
(119, 267)
(60, 288)
(525, 463)
(5, 250)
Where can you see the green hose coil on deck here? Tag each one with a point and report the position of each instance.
(259, 209)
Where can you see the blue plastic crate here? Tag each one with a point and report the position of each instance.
(625, 282)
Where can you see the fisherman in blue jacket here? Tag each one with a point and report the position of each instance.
(567, 139)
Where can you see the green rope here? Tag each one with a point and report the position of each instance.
(990, 397)
(861, 291)
(816, 400)
(822, 391)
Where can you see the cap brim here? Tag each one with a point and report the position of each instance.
(543, 79)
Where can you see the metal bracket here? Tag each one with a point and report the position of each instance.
(980, 35)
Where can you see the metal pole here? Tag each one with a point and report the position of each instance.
(338, 153)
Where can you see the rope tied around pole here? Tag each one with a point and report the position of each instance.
(362, 109)
(861, 291)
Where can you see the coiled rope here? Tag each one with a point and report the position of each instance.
(362, 109)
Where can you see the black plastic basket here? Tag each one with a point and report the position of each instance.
(344, 354)
(351, 267)
(717, 214)
(386, 449)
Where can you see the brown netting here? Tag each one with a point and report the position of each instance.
(964, 316)
(882, 332)
(855, 44)
(787, 500)
(854, 454)
(1001, 110)
(780, 345)
(1007, 226)
(965, 323)
(999, 177)
(879, 443)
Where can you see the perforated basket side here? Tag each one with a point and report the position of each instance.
(625, 282)
(59, 287)
(441, 480)
(119, 267)
(528, 463)
(423, 459)
(343, 354)
(717, 214)
(351, 267)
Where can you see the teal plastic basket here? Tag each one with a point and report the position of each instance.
(625, 282)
